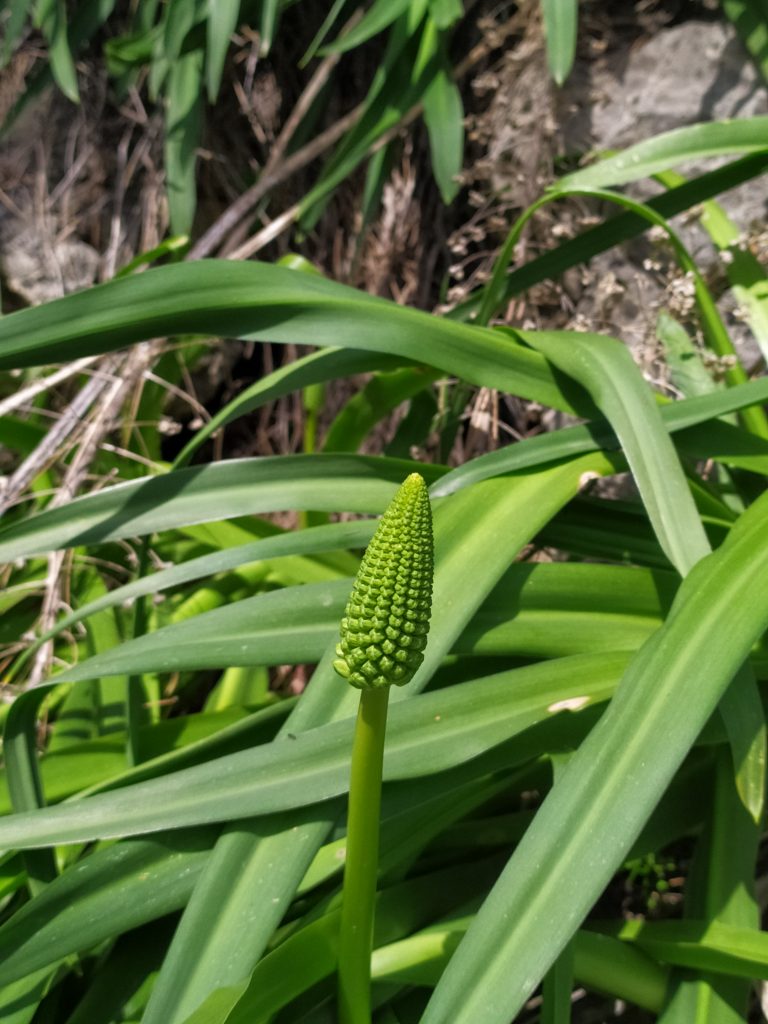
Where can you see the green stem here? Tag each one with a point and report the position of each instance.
(356, 936)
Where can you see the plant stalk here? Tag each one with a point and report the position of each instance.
(359, 896)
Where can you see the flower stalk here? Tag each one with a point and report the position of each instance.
(383, 636)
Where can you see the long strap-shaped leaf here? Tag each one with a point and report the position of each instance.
(543, 610)
(694, 141)
(326, 483)
(266, 303)
(587, 824)
(609, 373)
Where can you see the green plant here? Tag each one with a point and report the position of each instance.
(383, 636)
(568, 715)
(177, 52)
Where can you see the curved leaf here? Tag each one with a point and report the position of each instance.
(695, 141)
(589, 820)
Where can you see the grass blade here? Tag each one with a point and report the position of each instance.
(561, 18)
(665, 151)
(593, 814)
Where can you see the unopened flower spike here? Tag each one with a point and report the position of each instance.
(385, 625)
(383, 636)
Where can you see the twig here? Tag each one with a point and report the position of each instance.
(243, 205)
(249, 199)
(68, 424)
(109, 263)
(44, 383)
(267, 234)
(101, 423)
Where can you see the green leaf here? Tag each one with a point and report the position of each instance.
(380, 396)
(606, 368)
(219, 26)
(750, 20)
(444, 118)
(683, 416)
(486, 529)
(694, 142)
(334, 536)
(445, 13)
(183, 127)
(312, 767)
(591, 817)
(703, 945)
(311, 953)
(13, 28)
(88, 904)
(270, 14)
(51, 18)
(623, 227)
(252, 300)
(316, 368)
(541, 610)
(331, 483)
(379, 16)
(686, 369)
(561, 18)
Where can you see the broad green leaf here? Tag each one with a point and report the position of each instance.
(720, 888)
(175, 743)
(606, 368)
(693, 142)
(332, 537)
(683, 416)
(331, 483)
(20, 1000)
(311, 953)
(383, 393)
(704, 945)
(121, 975)
(88, 904)
(535, 610)
(252, 300)
(428, 733)
(600, 963)
(591, 817)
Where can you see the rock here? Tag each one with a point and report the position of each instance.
(39, 269)
(694, 72)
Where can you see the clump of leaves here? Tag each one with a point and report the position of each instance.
(200, 878)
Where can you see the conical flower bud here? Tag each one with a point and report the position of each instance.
(385, 625)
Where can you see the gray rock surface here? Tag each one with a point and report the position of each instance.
(40, 269)
(694, 72)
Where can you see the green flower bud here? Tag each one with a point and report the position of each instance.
(385, 625)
